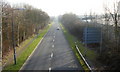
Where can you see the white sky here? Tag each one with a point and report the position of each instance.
(58, 7)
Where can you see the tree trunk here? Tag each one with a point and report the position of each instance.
(18, 36)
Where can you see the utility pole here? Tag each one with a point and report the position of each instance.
(13, 40)
(1, 35)
(13, 43)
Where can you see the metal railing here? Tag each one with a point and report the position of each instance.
(83, 58)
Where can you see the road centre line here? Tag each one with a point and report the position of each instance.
(49, 69)
(53, 46)
(51, 55)
(53, 40)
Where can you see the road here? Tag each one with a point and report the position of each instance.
(53, 53)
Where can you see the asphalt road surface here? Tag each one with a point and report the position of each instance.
(53, 53)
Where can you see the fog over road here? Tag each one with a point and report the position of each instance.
(53, 53)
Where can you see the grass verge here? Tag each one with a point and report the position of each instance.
(71, 39)
(25, 54)
(7, 59)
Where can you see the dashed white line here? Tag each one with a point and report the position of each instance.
(49, 69)
(51, 55)
(53, 46)
(54, 36)
(53, 40)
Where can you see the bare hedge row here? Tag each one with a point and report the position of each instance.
(110, 54)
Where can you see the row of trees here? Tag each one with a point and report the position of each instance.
(110, 36)
(74, 24)
(26, 23)
(69, 21)
(111, 32)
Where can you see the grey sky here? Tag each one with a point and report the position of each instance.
(57, 7)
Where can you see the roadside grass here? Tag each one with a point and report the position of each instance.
(90, 54)
(71, 39)
(25, 54)
(18, 49)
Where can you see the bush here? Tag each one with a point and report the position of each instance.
(110, 60)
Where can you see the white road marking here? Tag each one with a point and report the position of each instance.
(49, 69)
(54, 36)
(51, 55)
(53, 40)
(53, 46)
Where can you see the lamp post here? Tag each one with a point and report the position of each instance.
(13, 41)
(1, 36)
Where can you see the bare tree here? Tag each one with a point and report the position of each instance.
(86, 17)
(25, 22)
(115, 17)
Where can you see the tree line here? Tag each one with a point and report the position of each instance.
(110, 50)
(27, 22)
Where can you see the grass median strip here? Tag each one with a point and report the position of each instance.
(71, 40)
(25, 54)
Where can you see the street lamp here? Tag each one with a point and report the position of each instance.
(14, 49)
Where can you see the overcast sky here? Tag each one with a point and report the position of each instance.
(58, 7)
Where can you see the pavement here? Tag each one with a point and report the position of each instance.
(53, 54)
